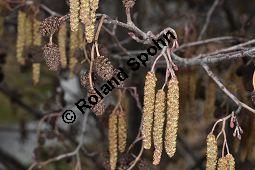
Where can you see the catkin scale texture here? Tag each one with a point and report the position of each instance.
(122, 131)
(36, 72)
(73, 47)
(149, 99)
(172, 117)
(21, 37)
(112, 138)
(74, 14)
(222, 164)
(62, 44)
(37, 39)
(231, 162)
(211, 152)
(85, 12)
(159, 118)
(28, 32)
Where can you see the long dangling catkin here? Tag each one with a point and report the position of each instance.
(159, 118)
(1, 25)
(62, 44)
(172, 117)
(85, 12)
(122, 131)
(21, 37)
(231, 162)
(28, 32)
(149, 99)
(112, 137)
(74, 14)
(37, 40)
(36, 72)
(73, 47)
(80, 37)
(222, 164)
(211, 153)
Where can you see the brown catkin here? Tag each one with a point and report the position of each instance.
(62, 44)
(122, 131)
(149, 99)
(211, 152)
(103, 67)
(222, 164)
(51, 55)
(112, 137)
(36, 73)
(73, 47)
(159, 118)
(231, 162)
(21, 37)
(172, 117)
(28, 32)
(128, 3)
(74, 14)
(80, 37)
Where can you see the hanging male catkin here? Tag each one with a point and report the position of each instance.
(37, 39)
(149, 99)
(112, 138)
(222, 164)
(28, 32)
(122, 131)
(62, 44)
(172, 117)
(231, 162)
(159, 118)
(85, 12)
(73, 48)
(21, 37)
(74, 14)
(211, 153)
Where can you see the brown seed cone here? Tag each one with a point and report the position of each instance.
(128, 3)
(50, 25)
(62, 44)
(211, 153)
(222, 164)
(112, 137)
(159, 118)
(149, 99)
(37, 39)
(36, 73)
(172, 117)
(21, 37)
(103, 67)
(122, 131)
(99, 108)
(28, 32)
(74, 14)
(85, 12)
(51, 55)
(231, 162)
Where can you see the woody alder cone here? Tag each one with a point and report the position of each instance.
(103, 67)
(50, 25)
(51, 55)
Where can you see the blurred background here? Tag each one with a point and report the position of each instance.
(22, 105)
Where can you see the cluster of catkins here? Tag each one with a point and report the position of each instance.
(152, 124)
(224, 163)
(117, 135)
(84, 10)
(28, 39)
